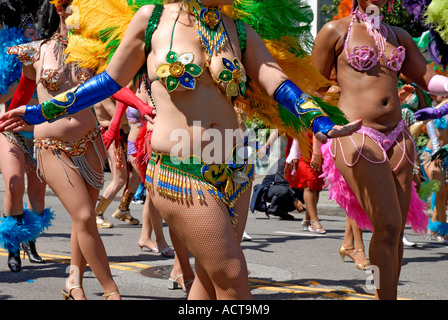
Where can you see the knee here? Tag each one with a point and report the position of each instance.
(37, 194)
(16, 187)
(390, 229)
(230, 275)
(82, 218)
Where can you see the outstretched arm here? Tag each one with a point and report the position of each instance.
(264, 70)
(124, 65)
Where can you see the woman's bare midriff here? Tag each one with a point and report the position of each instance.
(190, 120)
(70, 128)
(378, 105)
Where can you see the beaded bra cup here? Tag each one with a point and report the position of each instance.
(53, 79)
(180, 69)
(364, 58)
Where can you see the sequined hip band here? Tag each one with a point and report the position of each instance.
(76, 151)
(182, 179)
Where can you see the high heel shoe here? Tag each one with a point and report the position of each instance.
(107, 295)
(343, 253)
(320, 230)
(306, 225)
(14, 262)
(173, 284)
(153, 250)
(67, 294)
(30, 249)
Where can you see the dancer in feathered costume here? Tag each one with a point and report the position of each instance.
(8, 38)
(20, 226)
(283, 25)
(370, 173)
(199, 60)
(433, 14)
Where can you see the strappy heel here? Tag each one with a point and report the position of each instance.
(173, 284)
(67, 295)
(320, 230)
(107, 295)
(306, 225)
(343, 253)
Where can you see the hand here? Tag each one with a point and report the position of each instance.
(339, 131)
(299, 206)
(426, 114)
(291, 168)
(13, 121)
(316, 162)
(441, 154)
(150, 116)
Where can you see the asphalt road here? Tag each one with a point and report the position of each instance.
(284, 262)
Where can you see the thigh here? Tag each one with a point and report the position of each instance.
(204, 227)
(67, 182)
(365, 167)
(12, 161)
(402, 159)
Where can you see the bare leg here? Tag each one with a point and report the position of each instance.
(12, 163)
(387, 207)
(119, 170)
(79, 199)
(147, 228)
(311, 198)
(182, 264)
(353, 243)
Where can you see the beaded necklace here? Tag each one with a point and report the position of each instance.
(211, 31)
(364, 58)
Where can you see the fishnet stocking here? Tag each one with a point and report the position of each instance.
(206, 230)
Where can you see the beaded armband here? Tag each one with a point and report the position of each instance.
(309, 113)
(72, 101)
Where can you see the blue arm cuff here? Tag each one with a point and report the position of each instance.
(95, 90)
(290, 97)
(322, 124)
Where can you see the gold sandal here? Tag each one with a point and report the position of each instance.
(67, 295)
(107, 295)
(359, 266)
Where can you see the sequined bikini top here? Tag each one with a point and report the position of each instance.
(364, 58)
(53, 79)
(180, 69)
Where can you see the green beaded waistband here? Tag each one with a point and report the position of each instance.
(182, 179)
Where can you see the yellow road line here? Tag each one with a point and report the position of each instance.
(343, 294)
(126, 266)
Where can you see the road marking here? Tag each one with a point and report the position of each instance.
(125, 266)
(341, 294)
(307, 234)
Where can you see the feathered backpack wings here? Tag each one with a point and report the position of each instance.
(284, 26)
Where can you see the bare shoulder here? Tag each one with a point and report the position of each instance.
(336, 28)
(144, 13)
(333, 33)
(403, 36)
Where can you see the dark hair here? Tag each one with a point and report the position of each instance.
(48, 19)
(14, 12)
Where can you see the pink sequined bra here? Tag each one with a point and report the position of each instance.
(364, 58)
